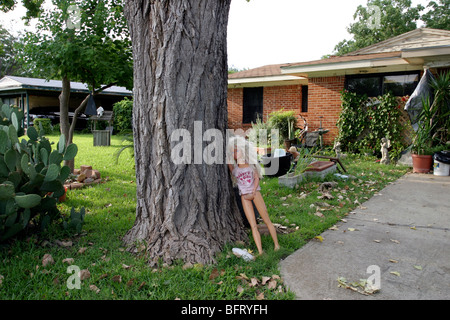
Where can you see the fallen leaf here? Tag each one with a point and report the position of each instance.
(395, 241)
(377, 241)
(351, 229)
(320, 238)
(393, 261)
(117, 278)
(275, 276)
(243, 276)
(141, 285)
(64, 244)
(1, 279)
(125, 266)
(260, 296)
(94, 288)
(319, 214)
(69, 261)
(253, 282)
(130, 283)
(85, 274)
(264, 280)
(418, 267)
(214, 274)
(413, 228)
(396, 273)
(272, 284)
(47, 260)
(82, 250)
(334, 228)
(240, 289)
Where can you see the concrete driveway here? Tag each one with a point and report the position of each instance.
(400, 239)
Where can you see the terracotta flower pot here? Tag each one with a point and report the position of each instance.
(422, 163)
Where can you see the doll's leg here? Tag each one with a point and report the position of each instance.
(250, 214)
(262, 209)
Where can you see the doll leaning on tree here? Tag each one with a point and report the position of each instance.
(246, 173)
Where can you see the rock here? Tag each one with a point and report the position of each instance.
(97, 174)
(76, 185)
(76, 171)
(83, 168)
(88, 181)
(81, 177)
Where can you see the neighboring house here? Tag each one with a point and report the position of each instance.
(39, 97)
(312, 89)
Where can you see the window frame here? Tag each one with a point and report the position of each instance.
(258, 110)
(380, 77)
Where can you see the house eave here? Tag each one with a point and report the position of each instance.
(348, 67)
(268, 81)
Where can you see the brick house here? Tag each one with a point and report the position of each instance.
(312, 89)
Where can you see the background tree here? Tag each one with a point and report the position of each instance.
(396, 17)
(85, 41)
(438, 15)
(8, 63)
(184, 211)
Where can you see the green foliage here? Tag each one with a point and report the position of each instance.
(437, 17)
(363, 122)
(123, 112)
(44, 125)
(260, 133)
(76, 220)
(285, 122)
(396, 17)
(31, 175)
(97, 51)
(434, 119)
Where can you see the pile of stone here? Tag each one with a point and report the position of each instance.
(84, 176)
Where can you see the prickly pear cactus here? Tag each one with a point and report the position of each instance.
(31, 174)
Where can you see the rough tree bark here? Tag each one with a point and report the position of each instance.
(180, 76)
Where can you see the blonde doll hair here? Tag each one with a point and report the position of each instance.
(247, 149)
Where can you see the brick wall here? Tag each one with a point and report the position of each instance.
(323, 100)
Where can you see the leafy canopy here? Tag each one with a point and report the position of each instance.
(85, 41)
(395, 17)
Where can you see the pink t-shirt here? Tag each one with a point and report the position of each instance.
(245, 179)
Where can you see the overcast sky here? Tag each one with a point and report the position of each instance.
(262, 32)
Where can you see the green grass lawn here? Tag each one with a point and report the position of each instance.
(115, 273)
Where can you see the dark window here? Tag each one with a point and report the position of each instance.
(399, 84)
(368, 85)
(252, 104)
(304, 98)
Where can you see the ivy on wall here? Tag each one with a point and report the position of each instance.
(364, 121)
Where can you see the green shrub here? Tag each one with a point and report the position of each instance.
(43, 124)
(285, 122)
(31, 175)
(364, 121)
(123, 112)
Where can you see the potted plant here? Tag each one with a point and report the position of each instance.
(421, 151)
(286, 123)
(291, 134)
(297, 169)
(434, 123)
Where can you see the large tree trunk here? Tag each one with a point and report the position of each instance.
(184, 211)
